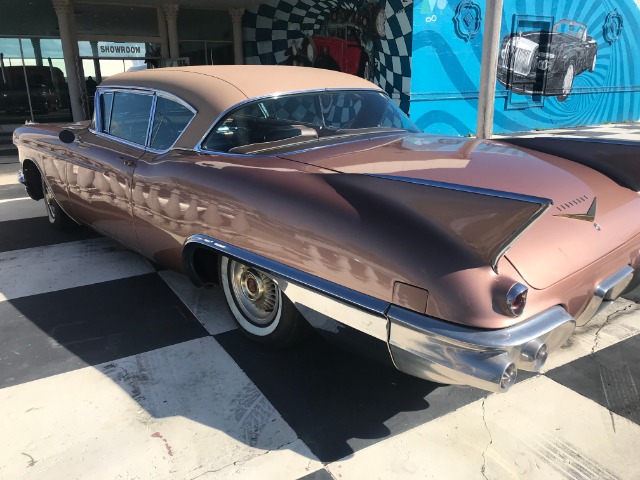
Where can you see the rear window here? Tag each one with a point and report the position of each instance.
(169, 121)
(298, 121)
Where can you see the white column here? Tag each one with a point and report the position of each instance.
(236, 20)
(96, 60)
(171, 14)
(63, 11)
(162, 32)
(489, 68)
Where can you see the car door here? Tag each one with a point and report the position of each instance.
(162, 205)
(100, 177)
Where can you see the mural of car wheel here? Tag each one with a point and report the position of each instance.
(380, 22)
(593, 64)
(567, 83)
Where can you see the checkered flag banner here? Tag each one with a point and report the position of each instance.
(271, 28)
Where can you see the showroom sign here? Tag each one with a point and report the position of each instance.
(116, 49)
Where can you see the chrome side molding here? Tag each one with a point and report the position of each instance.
(308, 292)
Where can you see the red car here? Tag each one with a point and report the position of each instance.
(339, 49)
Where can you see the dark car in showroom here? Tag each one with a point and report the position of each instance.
(546, 62)
(41, 97)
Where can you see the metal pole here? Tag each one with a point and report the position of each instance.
(26, 80)
(489, 68)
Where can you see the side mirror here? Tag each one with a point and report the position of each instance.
(67, 136)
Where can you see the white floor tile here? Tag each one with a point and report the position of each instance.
(538, 430)
(57, 267)
(180, 412)
(207, 304)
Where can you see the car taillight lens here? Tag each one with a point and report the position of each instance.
(516, 299)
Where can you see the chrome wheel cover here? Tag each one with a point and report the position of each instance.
(49, 201)
(255, 294)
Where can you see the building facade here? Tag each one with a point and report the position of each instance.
(559, 62)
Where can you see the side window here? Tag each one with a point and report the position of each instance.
(106, 101)
(130, 114)
(169, 121)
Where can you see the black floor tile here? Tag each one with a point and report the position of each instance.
(52, 333)
(321, 474)
(610, 377)
(12, 191)
(337, 402)
(37, 232)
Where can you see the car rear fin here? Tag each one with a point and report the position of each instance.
(616, 159)
(488, 227)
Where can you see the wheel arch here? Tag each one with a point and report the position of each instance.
(32, 179)
(200, 262)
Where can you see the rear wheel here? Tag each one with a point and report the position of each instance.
(57, 217)
(262, 312)
(567, 83)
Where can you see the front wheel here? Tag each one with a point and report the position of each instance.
(57, 218)
(567, 83)
(261, 311)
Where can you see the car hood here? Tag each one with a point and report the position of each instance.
(558, 244)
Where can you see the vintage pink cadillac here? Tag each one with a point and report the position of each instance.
(313, 201)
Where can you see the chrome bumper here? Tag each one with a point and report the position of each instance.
(489, 359)
(608, 290)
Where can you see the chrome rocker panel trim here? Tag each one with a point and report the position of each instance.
(420, 345)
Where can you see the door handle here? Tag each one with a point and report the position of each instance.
(128, 162)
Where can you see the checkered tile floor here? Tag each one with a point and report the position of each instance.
(618, 131)
(111, 369)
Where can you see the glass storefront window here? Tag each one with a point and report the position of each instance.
(32, 81)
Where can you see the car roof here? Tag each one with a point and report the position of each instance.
(213, 89)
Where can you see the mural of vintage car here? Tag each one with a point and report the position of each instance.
(339, 48)
(546, 63)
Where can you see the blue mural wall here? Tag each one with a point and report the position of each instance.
(561, 63)
(280, 31)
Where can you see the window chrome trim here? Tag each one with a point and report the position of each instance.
(144, 91)
(149, 90)
(199, 147)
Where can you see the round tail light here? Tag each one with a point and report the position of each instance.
(516, 299)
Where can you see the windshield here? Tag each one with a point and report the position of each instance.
(574, 29)
(297, 121)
